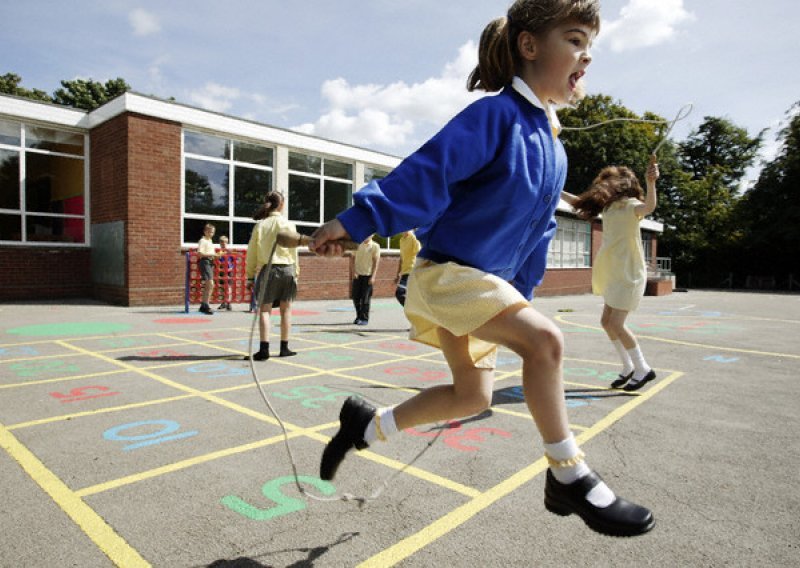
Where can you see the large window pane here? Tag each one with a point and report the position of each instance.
(54, 229)
(9, 133)
(10, 227)
(54, 140)
(206, 188)
(206, 145)
(250, 187)
(193, 229)
(374, 173)
(252, 154)
(304, 199)
(337, 198)
(338, 169)
(241, 233)
(9, 179)
(305, 163)
(53, 184)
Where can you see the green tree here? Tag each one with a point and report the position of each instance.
(88, 94)
(770, 211)
(10, 85)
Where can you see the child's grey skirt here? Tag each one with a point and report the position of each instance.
(281, 285)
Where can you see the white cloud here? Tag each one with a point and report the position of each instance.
(143, 23)
(397, 116)
(644, 23)
(214, 96)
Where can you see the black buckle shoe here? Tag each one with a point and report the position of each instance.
(636, 385)
(621, 518)
(621, 380)
(353, 420)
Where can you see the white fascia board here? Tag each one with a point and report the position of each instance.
(57, 115)
(646, 224)
(214, 122)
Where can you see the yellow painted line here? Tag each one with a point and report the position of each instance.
(63, 417)
(443, 525)
(183, 464)
(693, 344)
(92, 524)
(64, 379)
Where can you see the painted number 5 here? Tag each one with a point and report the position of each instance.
(272, 491)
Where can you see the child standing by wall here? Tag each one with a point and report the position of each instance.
(483, 192)
(619, 273)
(205, 262)
(281, 282)
(367, 257)
(409, 248)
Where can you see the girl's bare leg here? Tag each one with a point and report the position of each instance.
(613, 322)
(264, 312)
(540, 344)
(286, 320)
(470, 393)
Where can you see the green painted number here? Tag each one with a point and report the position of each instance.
(272, 491)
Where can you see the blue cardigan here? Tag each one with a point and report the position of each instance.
(482, 192)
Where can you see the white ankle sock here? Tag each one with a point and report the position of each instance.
(388, 425)
(627, 364)
(641, 368)
(600, 495)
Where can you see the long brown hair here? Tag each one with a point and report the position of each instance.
(611, 184)
(497, 51)
(272, 202)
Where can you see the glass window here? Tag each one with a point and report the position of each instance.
(10, 227)
(572, 245)
(338, 197)
(249, 187)
(338, 169)
(54, 184)
(252, 154)
(305, 163)
(225, 182)
(9, 179)
(9, 132)
(371, 173)
(319, 188)
(206, 187)
(42, 185)
(54, 140)
(206, 145)
(304, 199)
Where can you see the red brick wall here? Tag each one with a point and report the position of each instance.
(35, 273)
(565, 281)
(136, 179)
(330, 278)
(156, 266)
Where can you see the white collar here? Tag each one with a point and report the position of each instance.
(523, 89)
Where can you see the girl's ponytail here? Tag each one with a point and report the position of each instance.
(272, 201)
(495, 67)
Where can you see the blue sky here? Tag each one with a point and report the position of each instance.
(386, 74)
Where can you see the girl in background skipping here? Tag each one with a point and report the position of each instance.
(483, 192)
(281, 282)
(619, 273)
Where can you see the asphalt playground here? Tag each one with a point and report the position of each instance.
(137, 437)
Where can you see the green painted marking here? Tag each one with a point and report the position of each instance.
(74, 328)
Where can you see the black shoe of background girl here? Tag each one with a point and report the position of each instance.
(206, 309)
(636, 385)
(354, 417)
(621, 518)
(621, 380)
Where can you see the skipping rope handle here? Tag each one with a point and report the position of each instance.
(291, 239)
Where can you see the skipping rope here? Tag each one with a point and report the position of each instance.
(261, 285)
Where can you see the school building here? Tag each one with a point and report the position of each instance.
(105, 204)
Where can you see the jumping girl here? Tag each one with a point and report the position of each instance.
(483, 192)
(619, 273)
(281, 282)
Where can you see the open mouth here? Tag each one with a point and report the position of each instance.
(574, 78)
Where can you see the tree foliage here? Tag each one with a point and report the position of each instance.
(770, 211)
(78, 93)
